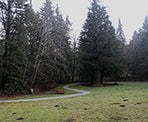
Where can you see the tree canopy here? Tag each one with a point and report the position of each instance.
(98, 45)
(37, 50)
(34, 46)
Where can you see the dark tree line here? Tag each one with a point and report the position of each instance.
(138, 53)
(103, 52)
(36, 49)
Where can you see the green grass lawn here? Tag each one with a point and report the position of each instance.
(127, 102)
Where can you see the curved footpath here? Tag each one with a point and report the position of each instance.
(80, 93)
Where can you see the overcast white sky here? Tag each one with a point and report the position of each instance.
(131, 12)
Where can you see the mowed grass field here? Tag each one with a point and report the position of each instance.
(127, 102)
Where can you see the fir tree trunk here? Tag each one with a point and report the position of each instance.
(5, 62)
(73, 70)
(101, 77)
(35, 74)
(92, 79)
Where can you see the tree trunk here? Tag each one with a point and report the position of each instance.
(101, 77)
(73, 70)
(35, 73)
(74, 60)
(92, 79)
(24, 73)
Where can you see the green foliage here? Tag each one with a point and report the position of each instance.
(98, 46)
(121, 51)
(15, 42)
(34, 46)
(138, 53)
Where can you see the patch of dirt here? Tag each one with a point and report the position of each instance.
(70, 120)
(38, 90)
(125, 100)
(117, 118)
(57, 106)
(85, 108)
(122, 106)
(20, 118)
(138, 103)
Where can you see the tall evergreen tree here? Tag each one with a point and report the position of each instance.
(133, 50)
(35, 47)
(44, 40)
(122, 49)
(33, 32)
(14, 37)
(97, 46)
(120, 34)
(51, 61)
(138, 52)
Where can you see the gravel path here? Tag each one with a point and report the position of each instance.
(80, 93)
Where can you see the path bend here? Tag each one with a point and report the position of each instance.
(67, 87)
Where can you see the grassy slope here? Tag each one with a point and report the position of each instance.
(102, 105)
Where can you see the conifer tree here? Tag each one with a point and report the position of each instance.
(51, 59)
(120, 34)
(122, 62)
(97, 46)
(138, 53)
(35, 47)
(14, 40)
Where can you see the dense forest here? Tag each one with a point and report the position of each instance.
(37, 50)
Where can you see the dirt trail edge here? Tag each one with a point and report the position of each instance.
(80, 93)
